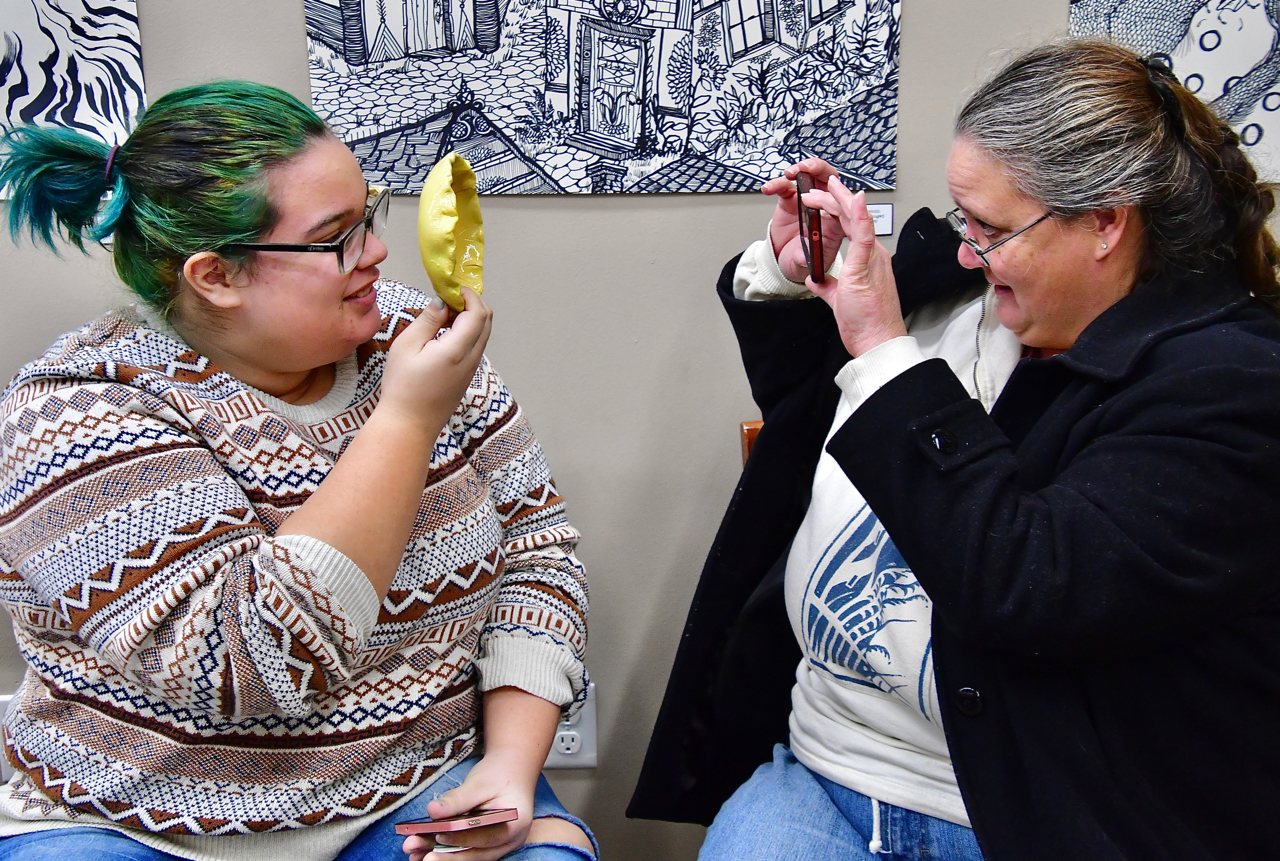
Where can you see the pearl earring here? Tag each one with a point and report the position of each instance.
(1104, 246)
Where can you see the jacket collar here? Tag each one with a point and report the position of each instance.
(1168, 304)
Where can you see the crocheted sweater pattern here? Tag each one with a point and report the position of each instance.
(188, 672)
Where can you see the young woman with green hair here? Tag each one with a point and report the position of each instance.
(283, 557)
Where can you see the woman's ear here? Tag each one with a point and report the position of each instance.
(1111, 226)
(213, 279)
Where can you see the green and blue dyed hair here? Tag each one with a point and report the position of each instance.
(190, 178)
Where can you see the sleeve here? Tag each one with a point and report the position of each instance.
(1159, 521)
(785, 343)
(536, 633)
(862, 377)
(759, 278)
(117, 517)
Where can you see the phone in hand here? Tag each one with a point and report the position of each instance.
(810, 230)
(473, 819)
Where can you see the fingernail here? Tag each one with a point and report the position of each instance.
(437, 304)
(442, 841)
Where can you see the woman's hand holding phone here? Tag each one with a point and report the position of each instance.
(492, 783)
(518, 728)
(784, 231)
(863, 295)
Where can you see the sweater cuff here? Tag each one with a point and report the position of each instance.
(342, 577)
(758, 277)
(860, 378)
(546, 670)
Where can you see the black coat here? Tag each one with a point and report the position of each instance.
(1101, 552)
(1102, 555)
(729, 693)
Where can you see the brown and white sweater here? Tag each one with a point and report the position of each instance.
(191, 674)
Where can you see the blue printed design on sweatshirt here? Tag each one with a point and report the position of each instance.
(859, 600)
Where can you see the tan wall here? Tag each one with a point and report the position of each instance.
(606, 329)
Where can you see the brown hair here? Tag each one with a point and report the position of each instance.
(1084, 125)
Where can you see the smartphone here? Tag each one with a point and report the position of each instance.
(810, 230)
(474, 819)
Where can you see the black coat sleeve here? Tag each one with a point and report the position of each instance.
(783, 342)
(1130, 514)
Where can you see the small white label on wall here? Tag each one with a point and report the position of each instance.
(882, 215)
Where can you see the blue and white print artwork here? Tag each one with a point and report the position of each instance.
(865, 618)
(73, 63)
(600, 96)
(1227, 51)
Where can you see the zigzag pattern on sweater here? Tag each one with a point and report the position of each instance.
(187, 673)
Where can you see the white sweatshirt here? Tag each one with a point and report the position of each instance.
(864, 708)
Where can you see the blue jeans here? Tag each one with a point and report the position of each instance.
(378, 842)
(785, 812)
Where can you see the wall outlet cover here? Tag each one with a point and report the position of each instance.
(575, 742)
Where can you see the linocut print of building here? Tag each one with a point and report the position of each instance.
(600, 96)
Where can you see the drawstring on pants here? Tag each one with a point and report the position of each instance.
(875, 847)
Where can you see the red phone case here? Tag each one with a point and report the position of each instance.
(474, 819)
(811, 224)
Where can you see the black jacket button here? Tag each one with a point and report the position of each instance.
(969, 702)
(944, 441)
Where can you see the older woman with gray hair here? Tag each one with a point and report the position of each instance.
(1098, 543)
(1101, 549)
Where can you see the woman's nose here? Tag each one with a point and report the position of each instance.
(375, 251)
(969, 258)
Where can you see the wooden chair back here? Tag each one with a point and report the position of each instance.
(748, 431)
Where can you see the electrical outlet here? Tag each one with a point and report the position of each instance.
(575, 742)
(567, 742)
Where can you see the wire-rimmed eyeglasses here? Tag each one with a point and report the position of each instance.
(350, 245)
(961, 226)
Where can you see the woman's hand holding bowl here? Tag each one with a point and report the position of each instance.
(426, 375)
(784, 230)
(864, 296)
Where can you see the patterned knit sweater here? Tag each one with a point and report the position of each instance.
(191, 674)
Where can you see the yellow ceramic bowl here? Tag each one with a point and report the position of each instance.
(450, 230)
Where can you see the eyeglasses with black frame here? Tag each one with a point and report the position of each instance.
(961, 226)
(350, 245)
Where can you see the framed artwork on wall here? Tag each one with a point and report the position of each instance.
(1226, 51)
(74, 63)
(601, 96)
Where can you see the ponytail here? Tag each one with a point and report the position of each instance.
(1245, 202)
(1218, 211)
(57, 178)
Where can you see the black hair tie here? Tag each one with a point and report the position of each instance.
(1160, 73)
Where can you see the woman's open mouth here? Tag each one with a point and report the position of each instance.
(363, 292)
